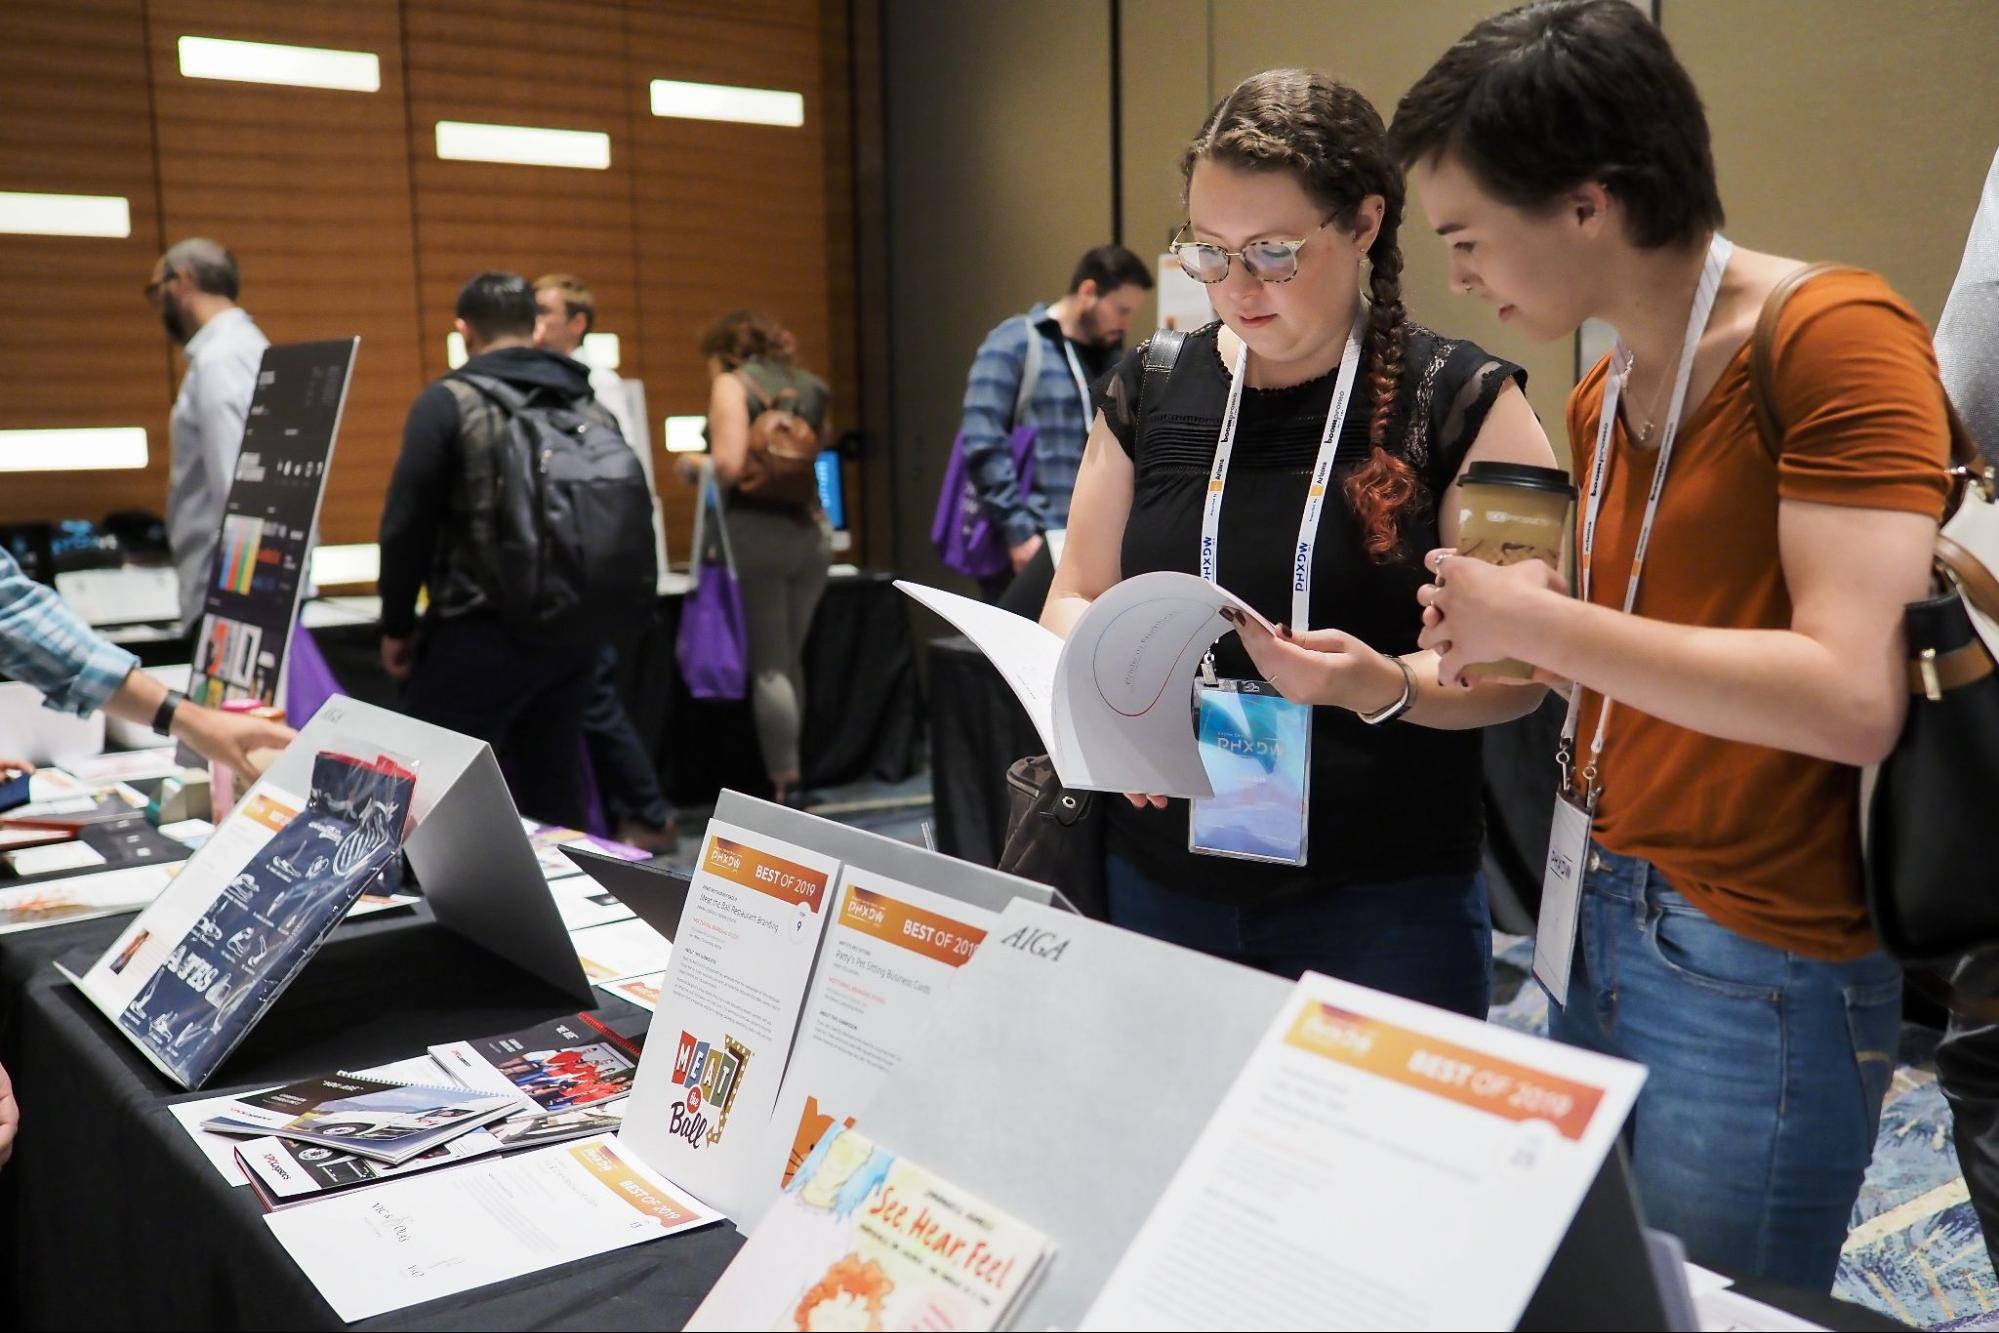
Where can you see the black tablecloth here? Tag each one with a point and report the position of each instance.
(862, 716)
(112, 1218)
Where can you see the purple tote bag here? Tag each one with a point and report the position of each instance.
(713, 640)
(965, 536)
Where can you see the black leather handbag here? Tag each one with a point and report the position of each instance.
(1053, 835)
(1930, 887)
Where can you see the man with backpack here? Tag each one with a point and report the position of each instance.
(516, 501)
(1035, 370)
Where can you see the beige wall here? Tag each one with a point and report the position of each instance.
(998, 148)
(1182, 55)
(1856, 130)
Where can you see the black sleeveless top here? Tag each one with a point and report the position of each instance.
(1390, 802)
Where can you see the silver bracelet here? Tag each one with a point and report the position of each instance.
(1400, 706)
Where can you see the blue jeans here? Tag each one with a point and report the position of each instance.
(1426, 939)
(1766, 1072)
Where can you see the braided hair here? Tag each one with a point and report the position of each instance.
(1333, 141)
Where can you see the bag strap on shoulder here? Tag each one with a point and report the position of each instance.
(1763, 375)
(1030, 374)
(1162, 351)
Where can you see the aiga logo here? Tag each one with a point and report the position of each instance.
(1043, 944)
(710, 1073)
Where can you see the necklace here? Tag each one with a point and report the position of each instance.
(1652, 416)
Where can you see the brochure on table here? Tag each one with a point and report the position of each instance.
(1359, 1121)
(728, 1007)
(866, 1238)
(479, 874)
(892, 951)
(268, 519)
(444, 1232)
(1113, 702)
(198, 969)
(743, 961)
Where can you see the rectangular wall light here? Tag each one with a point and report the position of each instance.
(65, 214)
(270, 62)
(686, 435)
(527, 145)
(454, 349)
(334, 565)
(719, 101)
(91, 449)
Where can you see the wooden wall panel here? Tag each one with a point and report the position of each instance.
(345, 220)
(726, 215)
(82, 349)
(310, 189)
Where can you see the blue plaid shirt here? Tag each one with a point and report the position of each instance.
(45, 644)
(1056, 411)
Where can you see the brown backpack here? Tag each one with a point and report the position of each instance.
(783, 449)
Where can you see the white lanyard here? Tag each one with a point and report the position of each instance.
(1082, 383)
(1315, 497)
(1718, 251)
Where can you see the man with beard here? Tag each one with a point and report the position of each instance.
(193, 289)
(1079, 337)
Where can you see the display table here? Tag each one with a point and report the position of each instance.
(862, 715)
(112, 1218)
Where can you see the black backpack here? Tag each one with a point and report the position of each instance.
(567, 539)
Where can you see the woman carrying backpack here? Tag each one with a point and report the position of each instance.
(758, 398)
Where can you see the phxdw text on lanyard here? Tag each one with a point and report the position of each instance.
(1561, 883)
(1231, 715)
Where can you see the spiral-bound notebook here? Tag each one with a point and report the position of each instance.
(389, 1122)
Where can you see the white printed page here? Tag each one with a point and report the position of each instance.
(1025, 654)
(1366, 1137)
(139, 952)
(438, 1234)
(628, 948)
(715, 1055)
(891, 952)
(1126, 686)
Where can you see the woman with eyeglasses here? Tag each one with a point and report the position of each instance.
(1209, 469)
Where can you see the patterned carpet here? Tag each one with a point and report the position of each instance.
(1915, 1253)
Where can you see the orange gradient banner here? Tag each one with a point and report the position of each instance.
(1456, 1073)
(740, 863)
(273, 815)
(630, 1186)
(908, 927)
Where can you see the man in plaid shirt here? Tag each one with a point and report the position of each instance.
(1080, 337)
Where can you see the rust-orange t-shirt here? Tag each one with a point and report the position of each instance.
(1765, 841)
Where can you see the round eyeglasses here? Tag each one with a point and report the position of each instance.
(1266, 261)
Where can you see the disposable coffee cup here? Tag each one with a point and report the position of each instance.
(1510, 513)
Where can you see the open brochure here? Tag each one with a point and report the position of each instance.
(565, 1064)
(864, 1238)
(1114, 701)
(389, 1122)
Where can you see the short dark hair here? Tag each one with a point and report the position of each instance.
(497, 305)
(208, 263)
(1549, 96)
(1111, 267)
